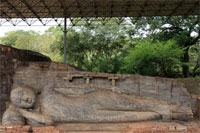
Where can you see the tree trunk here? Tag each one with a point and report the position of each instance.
(197, 66)
(185, 67)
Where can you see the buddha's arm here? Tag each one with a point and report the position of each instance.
(12, 117)
(42, 119)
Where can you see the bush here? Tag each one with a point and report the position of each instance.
(157, 59)
(103, 64)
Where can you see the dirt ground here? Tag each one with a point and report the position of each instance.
(140, 127)
(160, 129)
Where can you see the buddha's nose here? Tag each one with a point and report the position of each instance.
(24, 98)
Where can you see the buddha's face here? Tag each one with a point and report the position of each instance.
(23, 97)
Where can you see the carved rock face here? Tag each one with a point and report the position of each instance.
(23, 97)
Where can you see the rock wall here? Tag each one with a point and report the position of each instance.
(21, 67)
(75, 82)
(10, 59)
(6, 73)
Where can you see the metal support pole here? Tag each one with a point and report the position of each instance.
(65, 38)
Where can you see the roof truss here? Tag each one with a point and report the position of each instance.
(55, 9)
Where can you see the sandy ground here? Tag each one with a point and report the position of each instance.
(142, 127)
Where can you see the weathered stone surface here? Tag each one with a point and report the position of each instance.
(9, 61)
(67, 94)
(12, 117)
(98, 106)
(76, 82)
(22, 55)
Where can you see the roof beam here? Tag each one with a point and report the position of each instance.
(8, 20)
(175, 9)
(79, 7)
(196, 5)
(31, 9)
(5, 14)
(128, 5)
(52, 15)
(143, 7)
(63, 7)
(142, 11)
(161, 6)
(95, 7)
(55, 9)
(17, 12)
(111, 8)
(45, 5)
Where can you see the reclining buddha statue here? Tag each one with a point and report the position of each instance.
(51, 93)
(52, 106)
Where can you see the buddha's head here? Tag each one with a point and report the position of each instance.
(23, 97)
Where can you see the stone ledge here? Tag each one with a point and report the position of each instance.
(138, 127)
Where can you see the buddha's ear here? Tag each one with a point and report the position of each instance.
(8, 104)
(14, 86)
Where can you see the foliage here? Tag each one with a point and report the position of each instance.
(112, 48)
(194, 53)
(178, 28)
(13, 38)
(31, 40)
(21, 39)
(157, 59)
(91, 47)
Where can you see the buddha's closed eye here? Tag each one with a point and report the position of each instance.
(23, 97)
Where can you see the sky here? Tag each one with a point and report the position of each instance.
(38, 29)
(37, 26)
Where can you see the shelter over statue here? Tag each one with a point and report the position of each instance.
(96, 8)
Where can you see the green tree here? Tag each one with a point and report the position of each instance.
(21, 39)
(93, 46)
(194, 53)
(11, 37)
(31, 40)
(157, 59)
(178, 28)
(28, 40)
(47, 47)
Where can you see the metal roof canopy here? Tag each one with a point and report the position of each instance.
(96, 8)
(45, 11)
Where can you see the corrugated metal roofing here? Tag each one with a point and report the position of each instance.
(96, 8)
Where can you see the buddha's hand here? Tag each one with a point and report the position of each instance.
(20, 110)
(42, 119)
